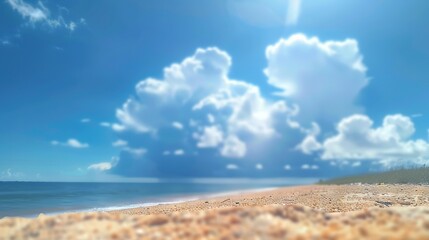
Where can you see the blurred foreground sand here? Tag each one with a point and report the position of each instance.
(307, 212)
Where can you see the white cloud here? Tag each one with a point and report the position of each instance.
(259, 166)
(177, 125)
(85, 120)
(193, 78)
(201, 79)
(118, 127)
(231, 167)
(314, 130)
(34, 14)
(232, 116)
(390, 144)
(105, 124)
(249, 111)
(287, 167)
(179, 152)
(211, 118)
(71, 26)
(309, 167)
(120, 143)
(103, 166)
(293, 12)
(39, 14)
(233, 148)
(309, 145)
(199, 86)
(73, 143)
(211, 137)
(316, 74)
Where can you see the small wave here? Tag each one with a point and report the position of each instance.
(176, 200)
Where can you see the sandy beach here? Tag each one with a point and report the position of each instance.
(305, 212)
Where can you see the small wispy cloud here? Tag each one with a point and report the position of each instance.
(9, 40)
(179, 152)
(73, 143)
(309, 167)
(4, 42)
(85, 120)
(417, 115)
(103, 166)
(9, 174)
(39, 13)
(231, 167)
(356, 164)
(177, 125)
(135, 151)
(120, 143)
(105, 124)
(293, 12)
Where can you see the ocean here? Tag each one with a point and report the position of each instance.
(29, 199)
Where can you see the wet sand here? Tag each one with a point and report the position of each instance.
(306, 212)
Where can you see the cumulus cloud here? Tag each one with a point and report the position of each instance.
(316, 74)
(259, 166)
(197, 109)
(390, 143)
(73, 143)
(218, 117)
(212, 136)
(39, 14)
(199, 86)
(309, 145)
(233, 147)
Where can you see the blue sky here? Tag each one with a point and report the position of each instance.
(119, 90)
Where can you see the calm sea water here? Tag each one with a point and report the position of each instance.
(32, 198)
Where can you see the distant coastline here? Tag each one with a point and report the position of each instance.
(398, 176)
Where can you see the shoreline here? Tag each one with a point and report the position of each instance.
(327, 198)
(245, 197)
(166, 200)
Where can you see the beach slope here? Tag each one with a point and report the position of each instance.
(309, 212)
